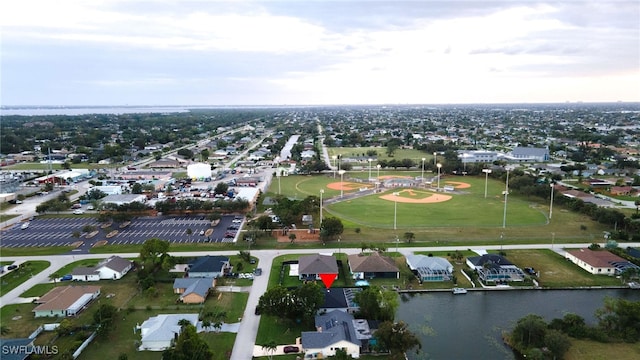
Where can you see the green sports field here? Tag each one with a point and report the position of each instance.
(468, 214)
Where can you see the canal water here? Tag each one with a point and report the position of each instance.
(469, 326)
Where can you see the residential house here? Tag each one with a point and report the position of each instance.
(65, 300)
(193, 290)
(599, 262)
(334, 330)
(493, 268)
(430, 268)
(84, 273)
(373, 266)
(112, 268)
(209, 267)
(158, 331)
(311, 266)
(621, 190)
(341, 299)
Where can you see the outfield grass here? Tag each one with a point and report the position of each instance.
(399, 154)
(16, 277)
(465, 219)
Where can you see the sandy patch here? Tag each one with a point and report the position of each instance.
(458, 185)
(302, 235)
(429, 198)
(346, 186)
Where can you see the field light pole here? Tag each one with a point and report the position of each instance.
(370, 169)
(334, 165)
(486, 180)
(341, 172)
(506, 194)
(378, 167)
(551, 204)
(278, 172)
(321, 192)
(395, 210)
(422, 176)
(435, 158)
(439, 166)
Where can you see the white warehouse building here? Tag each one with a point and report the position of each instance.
(199, 171)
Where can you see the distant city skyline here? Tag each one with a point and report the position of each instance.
(360, 52)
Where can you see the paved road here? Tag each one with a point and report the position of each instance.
(245, 339)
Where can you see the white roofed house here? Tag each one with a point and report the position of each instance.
(528, 154)
(159, 331)
(430, 268)
(112, 268)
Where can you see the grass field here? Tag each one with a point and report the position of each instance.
(592, 350)
(16, 277)
(465, 218)
(415, 155)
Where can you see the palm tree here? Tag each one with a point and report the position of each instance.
(270, 348)
(409, 236)
(637, 202)
(184, 322)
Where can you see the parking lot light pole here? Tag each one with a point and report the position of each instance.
(486, 180)
(395, 210)
(341, 172)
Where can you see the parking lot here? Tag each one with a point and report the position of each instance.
(60, 231)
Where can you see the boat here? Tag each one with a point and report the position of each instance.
(457, 291)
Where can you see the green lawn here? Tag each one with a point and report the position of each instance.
(556, 271)
(592, 350)
(38, 290)
(52, 250)
(415, 155)
(16, 277)
(465, 219)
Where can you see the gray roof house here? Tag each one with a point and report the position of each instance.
(373, 266)
(430, 268)
(193, 290)
(493, 268)
(112, 268)
(311, 266)
(158, 331)
(209, 267)
(335, 330)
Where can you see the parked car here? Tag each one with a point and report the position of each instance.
(290, 349)
(76, 206)
(12, 267)
(78, 212)
(66, 277)
(24, 226)
(257, 272)
(90, 207)
(201, 232)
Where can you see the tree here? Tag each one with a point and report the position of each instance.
(557, 343)
(204, 154)
(221, 188)
(154, 251)
(409, 236)
(396, 338)
(136, 188)
(330, 228)
(529, 332)
(4, 329)
(270, 347)
(292, 237)
(377, 304)
(188, 346)
(103, 317)
(54, 276)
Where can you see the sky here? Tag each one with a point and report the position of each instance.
(299, 52)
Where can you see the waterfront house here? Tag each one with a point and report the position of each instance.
(493, 268)
(334, 330)
(372, 266)
(430, 268)
(599, 262)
